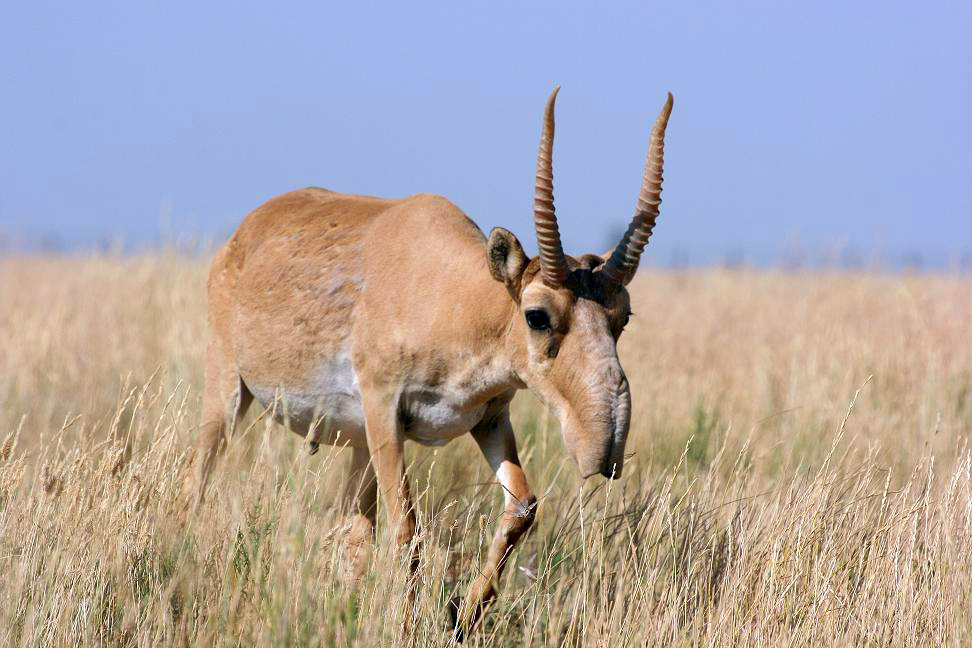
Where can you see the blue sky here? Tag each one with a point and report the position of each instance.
(818, 129)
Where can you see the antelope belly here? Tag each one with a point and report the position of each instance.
(330, 401)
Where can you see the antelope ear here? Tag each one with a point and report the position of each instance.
(506, 259)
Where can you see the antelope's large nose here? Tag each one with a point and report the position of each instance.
(613, 462)
(611, 472)
(620, 419)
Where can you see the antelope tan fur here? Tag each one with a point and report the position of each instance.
(371, 322)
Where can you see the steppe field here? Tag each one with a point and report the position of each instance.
(800, 474)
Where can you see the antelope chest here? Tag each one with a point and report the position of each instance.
(435, 416)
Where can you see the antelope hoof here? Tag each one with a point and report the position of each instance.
(452, 619)
(460, 626)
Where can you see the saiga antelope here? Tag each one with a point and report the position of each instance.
(379, 321)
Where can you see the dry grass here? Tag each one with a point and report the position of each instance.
(758, 508)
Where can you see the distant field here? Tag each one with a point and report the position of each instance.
(758, 508)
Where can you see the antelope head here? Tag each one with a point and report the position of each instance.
(570, 311)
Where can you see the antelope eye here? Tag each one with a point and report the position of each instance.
(538, 320)
(627, 318)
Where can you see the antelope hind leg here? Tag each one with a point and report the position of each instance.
(225, 401)
(361, 501)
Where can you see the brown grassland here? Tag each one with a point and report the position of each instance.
(763, 503)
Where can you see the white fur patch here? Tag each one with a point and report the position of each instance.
(436, 416)
(433, 415)
(332, 394)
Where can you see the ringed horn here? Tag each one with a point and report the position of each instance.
(553, 263)
(620, 268)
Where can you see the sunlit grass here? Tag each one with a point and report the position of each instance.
(758, 508)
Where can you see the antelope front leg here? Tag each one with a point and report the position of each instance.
(496, 440)
(386, 445)
(388, 460)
